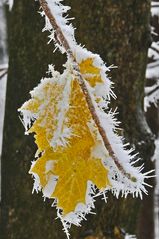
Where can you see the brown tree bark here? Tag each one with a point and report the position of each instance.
(119, 32)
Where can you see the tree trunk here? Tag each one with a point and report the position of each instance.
(119, 32)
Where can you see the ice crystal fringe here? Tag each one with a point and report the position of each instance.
(61, 134)
(120, 184)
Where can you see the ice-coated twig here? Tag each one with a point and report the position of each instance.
(61, 40)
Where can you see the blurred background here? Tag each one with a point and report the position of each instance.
(125, 33)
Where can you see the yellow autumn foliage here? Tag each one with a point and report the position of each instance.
(73, 163)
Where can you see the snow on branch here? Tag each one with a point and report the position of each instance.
(151, 95)
(10, 3)
(152, 71)
(3, 70)
(154, 8)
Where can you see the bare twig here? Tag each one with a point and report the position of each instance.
(63, 41)
(152, 91)
(3, 73)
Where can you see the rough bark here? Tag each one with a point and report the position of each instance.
(119, 32)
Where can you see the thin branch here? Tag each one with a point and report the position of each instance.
(152, 91)
(63, 41)
(153, 64)
(3, 74)
(157, 5)
(155, 49)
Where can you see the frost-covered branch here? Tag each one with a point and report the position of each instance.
(63, 41)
